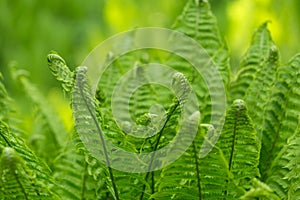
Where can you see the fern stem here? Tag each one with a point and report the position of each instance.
(173, 108)
(113, 183)
(152, 183)
(233, 141)
(197, 170)
(144, 187)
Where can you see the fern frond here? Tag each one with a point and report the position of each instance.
(23, 174)
(228, 168)
(129, 184)
(198, 22)
(281, 118)
(184, 180)
(284, 173)
(181, 179)
(86, 121)
(259, 102)
(240, 144)
(60, 70)
(17, 181)
(293, 167)
(182, 90)
(225, 172)
(134, 103)
(263, 82)
(252, 61)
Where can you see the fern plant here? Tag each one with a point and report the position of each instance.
(255, 157)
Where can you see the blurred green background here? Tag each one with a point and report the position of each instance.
(29, 29)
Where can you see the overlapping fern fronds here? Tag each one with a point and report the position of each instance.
(23, 174)
(256, 155)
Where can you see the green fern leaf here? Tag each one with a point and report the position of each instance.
(263, 82)
(181, 179)
(86, 121)
(228, 168)
(240, 144)
(60, 70)
(198, 22)
(259, 102)
(284, 173)
(252, 62)
(225, 172)
(17, 181)
(293, 166)
(281, 118)
(24, 176)
(129, 185)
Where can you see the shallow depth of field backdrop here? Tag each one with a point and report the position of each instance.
(29, 29)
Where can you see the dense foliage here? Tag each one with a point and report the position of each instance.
(256, 156)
